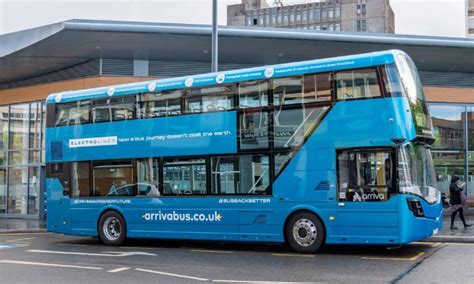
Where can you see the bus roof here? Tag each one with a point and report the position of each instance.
(233, 76)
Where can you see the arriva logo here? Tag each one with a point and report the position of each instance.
(183, 217)
(373, 196)
(368, 196)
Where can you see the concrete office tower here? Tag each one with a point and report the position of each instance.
(334, 15)
(470, 18)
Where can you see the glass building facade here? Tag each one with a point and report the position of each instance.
(22, 159)
(453, 149)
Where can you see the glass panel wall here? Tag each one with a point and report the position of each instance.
(21, 158)
(453, 149)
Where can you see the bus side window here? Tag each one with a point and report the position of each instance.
(72, 113)
(243, 174)
(317, 88)
(253, 94)
(160, 104)
(357, 84)
(80, 181)
(148, 177)
(288, 91)
(209, 99)
(114, 109)
(184, 177)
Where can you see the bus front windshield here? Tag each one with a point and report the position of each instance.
(416, 172)
(414, 91)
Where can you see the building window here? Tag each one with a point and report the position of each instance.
(285, 19)
(21, 154)
(361, 7)
(361, 25)
(324, 15)
(337, 13)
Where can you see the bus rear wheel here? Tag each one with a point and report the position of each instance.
(112, 228)
(305, 232)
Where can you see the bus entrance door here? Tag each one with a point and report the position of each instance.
(366, 213)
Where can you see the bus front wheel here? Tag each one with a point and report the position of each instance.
(304, 232)
(112, 228)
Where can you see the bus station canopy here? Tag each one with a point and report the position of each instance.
(45, 49)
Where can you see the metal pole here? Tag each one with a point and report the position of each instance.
(214, 63)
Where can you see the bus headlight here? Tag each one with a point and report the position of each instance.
(415, 206)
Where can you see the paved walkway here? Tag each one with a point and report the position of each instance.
(445, 235)
(460, 235)
(10, 225)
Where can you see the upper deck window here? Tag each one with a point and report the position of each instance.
(72, 113)
(357, 84)
(253, 94)
(113, 109)
(302, 89)
(166, 103)
(208, 99)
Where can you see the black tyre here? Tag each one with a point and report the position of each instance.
(305, 233)
(112, 228)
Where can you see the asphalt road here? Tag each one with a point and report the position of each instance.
(51, 258)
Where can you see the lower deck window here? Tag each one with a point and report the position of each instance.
(247, 174)
(184, 176)
(113, 180)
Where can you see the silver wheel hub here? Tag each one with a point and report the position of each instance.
(304, 232)
(112, 228)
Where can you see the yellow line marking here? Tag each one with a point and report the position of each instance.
(435, 245)
(211, 251)
(292, 254)
(396, 258)
(19, 240)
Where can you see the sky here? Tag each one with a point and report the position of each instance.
(421, 17)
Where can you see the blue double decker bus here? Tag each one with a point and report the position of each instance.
(329, 151)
